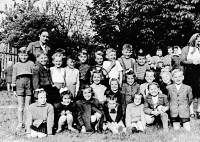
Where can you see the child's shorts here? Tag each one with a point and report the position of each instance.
(181, 120)
(42, 128)
(23, 85)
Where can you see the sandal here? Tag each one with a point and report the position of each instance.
(192, 115)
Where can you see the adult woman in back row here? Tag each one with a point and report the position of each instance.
(190, 59)
(39, 46)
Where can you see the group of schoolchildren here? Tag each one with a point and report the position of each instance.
(122, 95)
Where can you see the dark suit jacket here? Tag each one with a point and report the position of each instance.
(180, 100)
(149, 105)
(35, 48)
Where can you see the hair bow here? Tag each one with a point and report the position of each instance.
(63, 89)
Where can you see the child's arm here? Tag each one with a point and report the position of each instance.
(119, 114)
(120, 78)
(51, 73)
(128, 116)
(50, 120)
(77, 83)
(190, 95)
(143, 120)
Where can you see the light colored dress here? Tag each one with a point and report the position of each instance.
(72, 80)
(99, 91)
(58, 77)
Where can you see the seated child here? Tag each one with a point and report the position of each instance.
(66, 110)
(130, 87)
(125, 60)
(149, 77)
(135, 117)
(156, 105)
(91, 111)
(98, 88)
(180, 99)
(141, 66)
(112, 66)
(40, 117)
(115, 91)
(114, 114)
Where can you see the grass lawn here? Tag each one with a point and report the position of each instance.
(8, 123)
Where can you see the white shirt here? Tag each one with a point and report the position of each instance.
(195, 55)
(178, 86)
(114, 72)
(155, 100)
(57, 76)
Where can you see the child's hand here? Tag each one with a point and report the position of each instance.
(67, 112)
(63, 112)
(164, 109)
(195, 62)
(155, 112)
(98, 115)
(83, 130)
(29, 136)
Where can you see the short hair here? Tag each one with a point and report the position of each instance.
(176, 47)
(150, 70)
(41, 31)
(169, 47)
(153, 83)
(41, 53)
(139, 94)
(60, 50)
(166, 72)
(127, 47)
(140, 52)
(109, 50)
(68, 93)
(71, 57)
(38, 91)
(100, 53)
(111, 97)
(130, 72)
(82, 51)
(57, 54)
(24, 50)
(176, 71)
(113, 79)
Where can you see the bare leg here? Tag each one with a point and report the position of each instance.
(61, 122)
(176, 125)
(186, 126)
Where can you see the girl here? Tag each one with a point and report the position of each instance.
(135, 117)
(91, 118)
(65, 110)
(98, 88)
(114, 91)
(114, 114)
(57, 72)
(40, 117)
(149, 77)
(156, 105)
(8, 74)
(130, 88)
(166, 78)
(72, 76)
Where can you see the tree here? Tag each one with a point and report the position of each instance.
(146, 24)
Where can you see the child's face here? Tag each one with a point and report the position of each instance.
(42, 99)
(23, 57)
(112, 104)
(57, 62)
(127, 53)
(112, 56)
(114, 85)
(170, 51)
(87, 93)
(130, 79)
(70, 63)
(99, 59)
(149, 77)
(66, 100)
(153, 90)
(167, 68)
(178, 77)
(96, 78)
(159, 53)
(141, 60)
(137, 99)
(166, 78)
(148, 57)
(43, 59)
(82, 58)
(175, 51)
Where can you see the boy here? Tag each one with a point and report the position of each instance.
(125, 60)
(141, 66)
(112, 66)
(180, 99)
(168, 57)
(42, 76)
(156, 105)
(21, 82)
(82, 66)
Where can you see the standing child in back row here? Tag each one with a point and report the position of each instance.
(112, 66)
(125, 60)
(8, 75)
(21, 82)
(180, 99)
